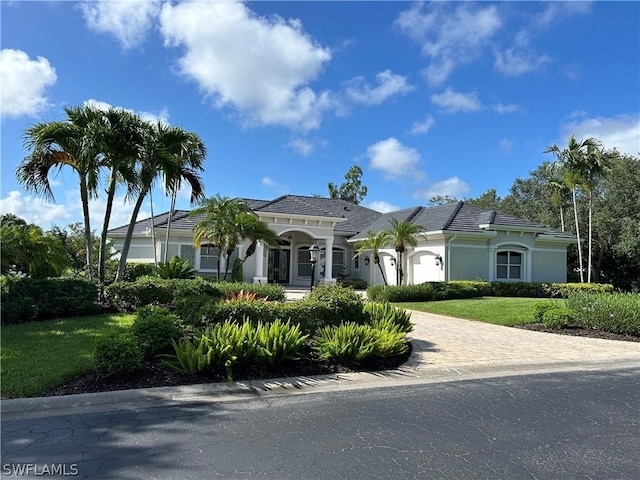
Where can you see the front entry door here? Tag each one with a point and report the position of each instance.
(278, 266)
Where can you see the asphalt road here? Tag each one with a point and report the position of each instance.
(551, 426)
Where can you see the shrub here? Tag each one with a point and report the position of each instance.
(176, 267)
(27, 299)
(352, 342)
(237, 275)
(540, 308)
(270, 292)
(557, 318)
(519, 289)
(194, 310)
(135, 270)
(566, 289)
(154, 328)
(355, 283)
(128, 296)
(191, 356)
(278, 342)
(344, 302)
(384, 316)
(117, 354)
(610, 312)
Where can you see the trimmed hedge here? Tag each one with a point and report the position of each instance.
(355, 283)
(266, 291)
(27, 299)
(431, 291)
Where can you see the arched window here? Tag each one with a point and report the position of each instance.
(509, 265)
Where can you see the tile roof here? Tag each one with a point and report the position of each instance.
(458, 217)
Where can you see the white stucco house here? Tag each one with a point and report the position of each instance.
(458, 242)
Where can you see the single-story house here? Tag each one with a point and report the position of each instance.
(458, 241)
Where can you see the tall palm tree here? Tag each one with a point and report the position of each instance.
(54, 145)
(559, 189)
(572, 160)
(374, 243)
(402, 234)
(217, 225)
(173, 154)
(121, 138)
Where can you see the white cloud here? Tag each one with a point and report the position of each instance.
(301, 146)
(127, 20)
(395, 159)
(268, 182)
(453, 102)
(502, 108)
(419, 128)
(450, 36)
(621, 132)
(452, 187)
(162, 116)
(556, 11)
(35, 210)
(24, 82)
(517, 61)
(261, 67)
(388, 84)
(382, 206)
(505, 145)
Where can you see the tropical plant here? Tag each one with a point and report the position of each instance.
(54, 145)
(374, 242)
(177, 156)
(175, 268)
(402, 234)
(572, 160)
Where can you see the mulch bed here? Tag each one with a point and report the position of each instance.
(580, 332)
(155, 374)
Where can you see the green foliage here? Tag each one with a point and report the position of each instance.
(557, 318)
(352, 342)
(26, 299)
(387, 317)
(194, 310)
(134, 270)
(117, 354)
(540, 308)
(566, 289)
(237, 275)
(345, 303)
(176, 267)
(352, 189)
(155, 328)
(519, 289)
(355, 283)
(265, 291)
(129, 296)
(609, 312)
(228, 343)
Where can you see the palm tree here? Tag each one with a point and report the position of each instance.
(402, 234)
(217, 225)
(54, 145)
(177, 156)
(258, 231)
(558, 187)
(572, 159)
(374, 243)
(121, 139)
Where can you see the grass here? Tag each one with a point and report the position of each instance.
(37, 356)
(505, 311)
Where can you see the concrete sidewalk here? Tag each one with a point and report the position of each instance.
(444, 349)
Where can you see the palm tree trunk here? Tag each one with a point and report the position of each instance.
(111, 190)
(166, 241)
(562, 217)
(384, 279)
(153, 231)
(84, 198)
(128, 236)
(590, 238)
(575, 212)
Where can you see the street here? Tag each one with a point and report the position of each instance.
(548, 426)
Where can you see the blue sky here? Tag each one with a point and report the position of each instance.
(448, 98)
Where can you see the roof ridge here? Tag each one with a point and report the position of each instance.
(453, 215)
(271, 202)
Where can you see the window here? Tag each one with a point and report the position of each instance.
(187, 252)
(356, 262)
(509, 265)
(304, 262)
(208, 257)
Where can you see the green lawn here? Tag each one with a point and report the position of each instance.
(505, 311)
(37, 356)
